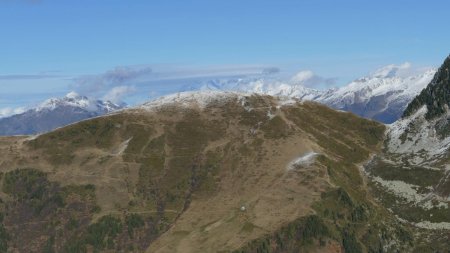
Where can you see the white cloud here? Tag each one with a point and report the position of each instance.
(123, 81)
(407, 69)
(8, 111)
(309, 79)
(302, 76)
(403, 70)
(270, 71)
(405, 65)
(118, 76)
(116, 94)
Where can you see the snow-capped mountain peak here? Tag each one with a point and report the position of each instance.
(73, 99)
(56, 112)
(382, 96)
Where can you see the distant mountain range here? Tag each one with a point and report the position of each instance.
(382, 96)
(54, 113)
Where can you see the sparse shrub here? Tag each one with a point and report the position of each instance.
(25, 184)
(49, 245)
(291, 238)
(350, 243)
(4, 238)
(31, 186)
(101, 233)
(133, 221)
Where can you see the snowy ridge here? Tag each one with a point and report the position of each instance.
(306, 159)
(265, 87)
(200, 99)
(203, 98)
(361, 90)
(282, 89)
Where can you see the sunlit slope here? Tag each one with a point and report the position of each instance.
(220, 172)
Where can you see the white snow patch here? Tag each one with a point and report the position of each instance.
(32, 137)
(122, 147)
(304, 160)
(270, 115)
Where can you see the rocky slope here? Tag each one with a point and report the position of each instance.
(411, 176)
(55, 112)
(200, 172)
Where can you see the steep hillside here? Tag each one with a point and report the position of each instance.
(55, 112)
(199, 172)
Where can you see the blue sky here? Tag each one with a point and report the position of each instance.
(49, 47)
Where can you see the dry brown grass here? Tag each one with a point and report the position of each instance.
(194, 169)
